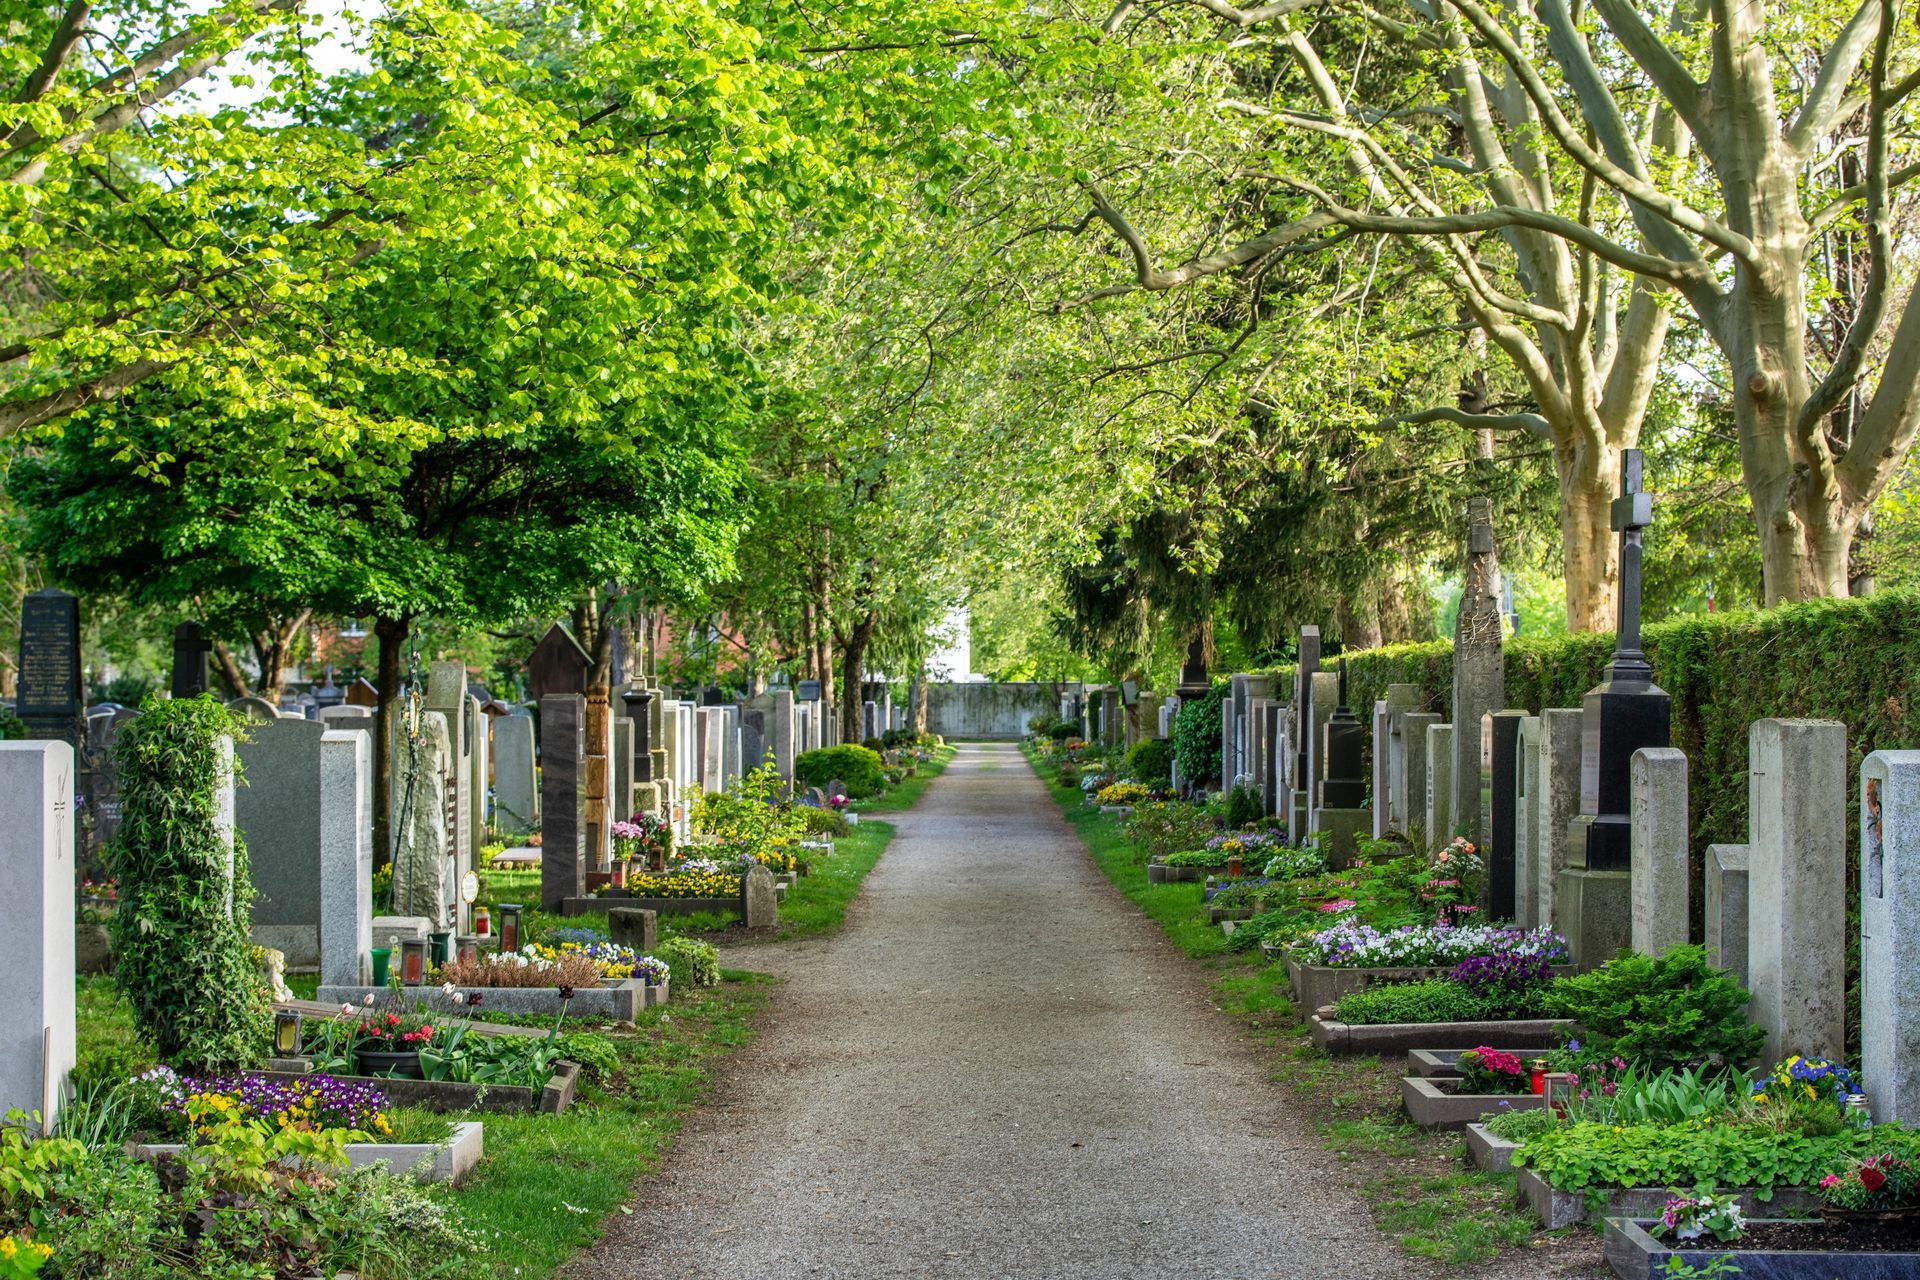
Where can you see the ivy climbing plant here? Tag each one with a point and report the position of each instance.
(181, 949)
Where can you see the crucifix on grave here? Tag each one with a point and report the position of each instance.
(1624, 713)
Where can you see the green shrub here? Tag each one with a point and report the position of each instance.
(1196, 736)
(11, 726)
(1579, 1157)
(1434, 1000)
(822, 822)
(180, 936)
(1151, 761)
(694, 963)
(1209, 858)
(1672, 1011)
(1243, 807)
(1063, 730)
(859, 767)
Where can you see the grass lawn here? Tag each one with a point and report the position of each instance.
(1420, 1190)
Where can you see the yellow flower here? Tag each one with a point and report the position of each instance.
(8, 1247)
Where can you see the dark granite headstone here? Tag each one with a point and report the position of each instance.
(639, 710)
(563, 760)
(103, 779)
(807, 691)
(1345, 786)
(190, 650)
(1309, 662)
(557, 665)
(1500, 732)
(1626, 711)
(50, 697)
(1193, 673)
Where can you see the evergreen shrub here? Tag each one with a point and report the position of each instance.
(1196, 736)
(1151, 761)
(858, 767)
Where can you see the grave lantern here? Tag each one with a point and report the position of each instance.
(413, 961)
(483, 922)
(620, 873)
(286, 1033)
(468, 948)
(1562, 1088)
(509, 927)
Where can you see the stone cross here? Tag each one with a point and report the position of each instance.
(1632, 513)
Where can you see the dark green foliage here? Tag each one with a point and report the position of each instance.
(1196, 736)
(181, 952)
(1151, 761)
(858, 767)
(1435, 1000)
(1062, 730)
(11, 725)
(1673, 1011)
(1243, 807)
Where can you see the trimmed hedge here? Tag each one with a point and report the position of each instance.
(1196, 736)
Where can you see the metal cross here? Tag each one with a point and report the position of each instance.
(1632, 513)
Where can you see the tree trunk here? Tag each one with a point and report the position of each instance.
(853, 658)
(392, 634)
(1589, 549)
(272, 648)
(229, 668)
(1359, 628)
(920, 704)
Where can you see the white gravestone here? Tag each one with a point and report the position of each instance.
(38, 1044)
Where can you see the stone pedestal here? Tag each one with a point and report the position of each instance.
(1797, 912)
(1555, 802)
(563, 751)
(1660, 850)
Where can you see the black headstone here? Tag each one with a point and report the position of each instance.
(807, 691)
(1193, 673)
(557, 665)
(1345, 784)
(639, 710)
(1501, 734)
(50, 697)
(1304, 669)
(1626, 711)
(190, 649)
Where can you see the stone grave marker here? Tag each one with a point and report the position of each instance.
(759, 905)
(1889, 938)
(447, 694)
(563, 753)
(254, 710)
(1797, 883)
(634, 927)
(1726, 908)
(1343, 792)
(1555, 802)
(346, 858)
(103, 779)
(190, 650)
(783, 736)
(48, 694)
(1439, 822)
(1500, 745)
(1526, 832)
(278, 813)
(1659, 853)
(425, 881)
(1479, 678)
(515, 807)
(1622, 714)
(38, 1034)
(1413, 774)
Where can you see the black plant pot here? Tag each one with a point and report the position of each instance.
(378, 1062)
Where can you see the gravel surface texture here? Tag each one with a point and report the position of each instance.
(998, 1068)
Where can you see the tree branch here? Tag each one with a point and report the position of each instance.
(1647, 49)
(65, 36)
(1531, 423)
(1825, 100)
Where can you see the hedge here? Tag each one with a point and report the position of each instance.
(1196, 736)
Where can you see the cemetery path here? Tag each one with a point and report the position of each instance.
(996, 1069)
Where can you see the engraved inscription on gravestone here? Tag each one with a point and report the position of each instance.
(49, 681)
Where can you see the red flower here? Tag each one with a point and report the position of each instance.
(1872, 1179)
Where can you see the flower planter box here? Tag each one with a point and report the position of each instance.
(1634, 1254)
(655, 995)
(1443, 1063)
(1489, 1152)
(665, 906)
(1315, 985)
(1433, 1104)
(1398, 1037)
(1557, 1209)
(1161, 873)
(447, 1095)
(618, 1001)
(1120, 810)
(1216, 914)
(1273, 953)
(449, 1161)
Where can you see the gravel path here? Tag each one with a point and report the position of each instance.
(997, 1069)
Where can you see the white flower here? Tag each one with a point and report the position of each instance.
(346, 1010)
(368, 1002)
(449, 990)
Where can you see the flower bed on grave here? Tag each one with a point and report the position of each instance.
(1490, 1081)
(1351, 956)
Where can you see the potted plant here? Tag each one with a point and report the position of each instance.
(1882, 1188)
(389, 1039)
